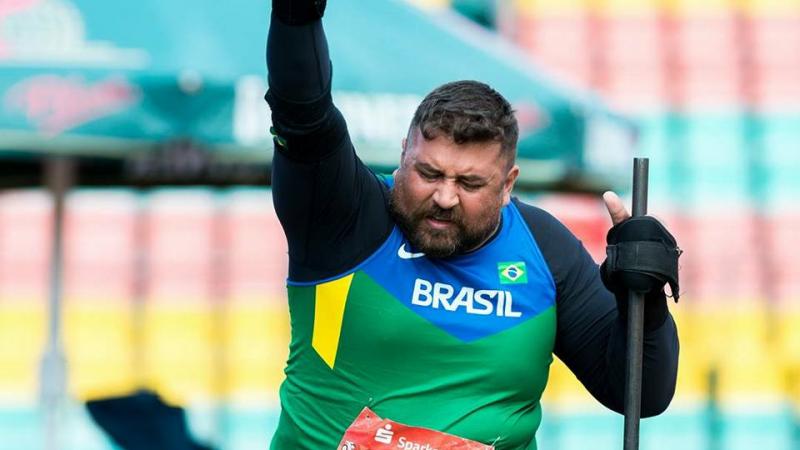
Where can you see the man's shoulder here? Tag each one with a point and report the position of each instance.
(537, 218)
(553, 237)
(387, 180)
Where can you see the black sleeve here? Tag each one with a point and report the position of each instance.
(591, 335)
(331, 206)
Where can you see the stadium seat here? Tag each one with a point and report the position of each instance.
(633, 42)
(636, 89)
(564, 390)
(558, 43)
(708, 41)
(257, 247)
(753, 377)
(100, 349)
(782, 230)
(24, 256)
(776, 40)
(734, 340)
(181, 243)
(100, 239)
(22, 338)
(257, 343)
(584, 215)
(180, 353)
(789, 335)
(778, 89)
(693, 366)
(25, 240)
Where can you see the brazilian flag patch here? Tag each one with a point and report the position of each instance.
(512, 272)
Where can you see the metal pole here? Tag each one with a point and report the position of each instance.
(633, 371)
(53, 377)
(140, 288)
(219, 290)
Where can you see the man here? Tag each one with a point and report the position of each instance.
(433, 297)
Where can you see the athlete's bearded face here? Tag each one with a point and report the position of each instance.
(447, 197)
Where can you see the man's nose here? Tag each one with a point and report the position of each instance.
(446, 195)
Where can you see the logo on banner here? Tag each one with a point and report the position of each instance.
(368, 428)
(54, 104)
(384, 435)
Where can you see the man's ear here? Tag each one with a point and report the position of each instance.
(508, 184)
(403, 146)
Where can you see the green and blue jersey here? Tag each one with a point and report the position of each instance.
(461, 345)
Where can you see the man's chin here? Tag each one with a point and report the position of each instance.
(438, 243)
(437, 247)
(438, 252)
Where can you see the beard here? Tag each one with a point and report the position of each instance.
(460, 237)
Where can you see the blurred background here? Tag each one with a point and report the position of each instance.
(139, 248)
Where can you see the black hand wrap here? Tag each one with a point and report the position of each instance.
(298, 12)
(642, 256)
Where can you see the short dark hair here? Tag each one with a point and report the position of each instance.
(468, 112)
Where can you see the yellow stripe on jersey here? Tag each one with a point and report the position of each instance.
(328, 314)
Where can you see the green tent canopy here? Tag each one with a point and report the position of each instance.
(174, 90)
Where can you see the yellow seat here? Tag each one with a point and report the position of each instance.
(258, 344)
(789, 336)
(99, 348)
(180, 351)
(564, 390)
(749, 377)
(22, 340)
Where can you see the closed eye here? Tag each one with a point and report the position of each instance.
(428, 174)
(471, 186)
(471, 183)
(468, 182)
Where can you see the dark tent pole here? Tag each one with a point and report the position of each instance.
(59, 177)
(140, 286)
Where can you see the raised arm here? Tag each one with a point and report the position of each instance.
(331, 206)
(299, 69)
